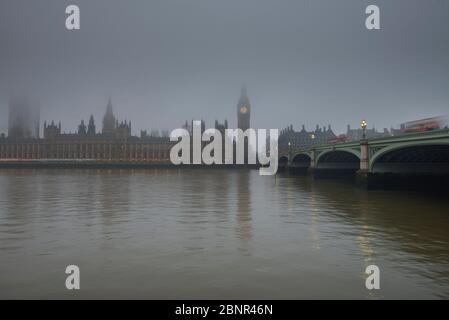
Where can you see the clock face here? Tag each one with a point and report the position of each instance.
(243, 109)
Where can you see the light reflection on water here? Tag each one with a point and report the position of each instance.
(167, 233)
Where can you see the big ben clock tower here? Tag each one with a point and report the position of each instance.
(243, 118)
(243, 111)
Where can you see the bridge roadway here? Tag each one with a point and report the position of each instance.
(408, 160)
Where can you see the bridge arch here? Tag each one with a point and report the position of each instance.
(338, 156)
(300, 163)
(337, 163)
(301, 159)
(416, 157)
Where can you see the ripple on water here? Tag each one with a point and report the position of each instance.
(225, 233)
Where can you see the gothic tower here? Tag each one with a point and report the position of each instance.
(243, 111)
(91, 127)
(82, 129)
(243, 118)
(109, 121)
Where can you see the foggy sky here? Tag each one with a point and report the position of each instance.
(166, 61)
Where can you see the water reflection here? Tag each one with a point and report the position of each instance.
(243, 215)
(216, 234)
(410, 225)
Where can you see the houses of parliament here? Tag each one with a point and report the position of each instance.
(114, 143)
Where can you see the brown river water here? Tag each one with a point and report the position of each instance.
(224, 234)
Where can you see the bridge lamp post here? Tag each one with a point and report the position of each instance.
(362, 174)
(289, 151)
(363, 125)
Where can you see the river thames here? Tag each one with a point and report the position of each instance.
(215, 234)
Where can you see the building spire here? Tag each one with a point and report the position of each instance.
(244, 91)
(91, 126)
(109, 121)
(109, 106)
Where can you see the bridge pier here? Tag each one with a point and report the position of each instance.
(364, 155)
(363, 176)
(363, 179)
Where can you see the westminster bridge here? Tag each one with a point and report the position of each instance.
(410, 160)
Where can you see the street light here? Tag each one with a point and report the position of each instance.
(289, 151)
(364, 124)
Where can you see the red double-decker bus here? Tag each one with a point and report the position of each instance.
(428, 124)
(338, 139)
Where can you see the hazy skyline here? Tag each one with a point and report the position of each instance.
(166, 61)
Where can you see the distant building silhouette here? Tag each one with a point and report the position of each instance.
(243, 111)
(357, 134)
(91, 127)
(81, 129)
(244, 118)
(114, 143)
(23, 119)
(305, 139)
(52, 131)
(109, 121)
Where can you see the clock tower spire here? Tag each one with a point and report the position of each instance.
(243, 111)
